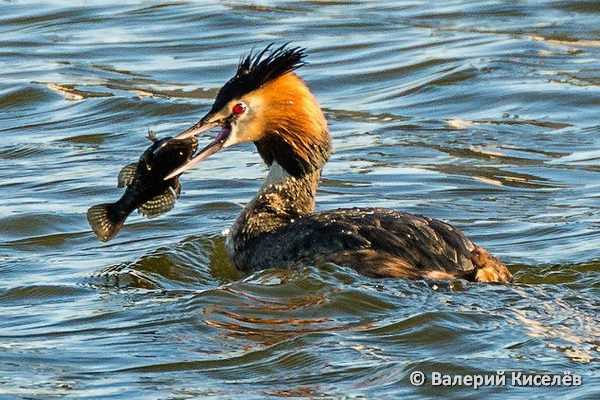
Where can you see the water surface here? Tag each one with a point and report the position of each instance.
(484, 114)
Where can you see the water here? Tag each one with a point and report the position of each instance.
(481, 113)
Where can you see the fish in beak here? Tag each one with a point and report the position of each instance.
(208, 122)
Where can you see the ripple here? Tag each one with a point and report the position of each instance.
(19, 151)
(39, 294)
(23, 98)
(557, 274)
(85, 139)
(34, 224)
(69, 92)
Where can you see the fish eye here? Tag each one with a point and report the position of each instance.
(239, 108)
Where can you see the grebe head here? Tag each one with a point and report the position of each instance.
(268, 104)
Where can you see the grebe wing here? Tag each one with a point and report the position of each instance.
(387, 243)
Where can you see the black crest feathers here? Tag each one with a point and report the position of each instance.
(257, 69)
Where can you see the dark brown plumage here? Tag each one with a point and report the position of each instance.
(376, 242)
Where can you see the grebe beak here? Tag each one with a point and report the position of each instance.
(209, 121)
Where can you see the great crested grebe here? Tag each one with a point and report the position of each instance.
(268, 104)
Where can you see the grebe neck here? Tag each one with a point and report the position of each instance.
(282, 199)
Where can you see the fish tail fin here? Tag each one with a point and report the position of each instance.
(105, 223)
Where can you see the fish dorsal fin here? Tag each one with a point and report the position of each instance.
(151, 136)
(127, 175)
(162, 203)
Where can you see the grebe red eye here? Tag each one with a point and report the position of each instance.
(238, 109)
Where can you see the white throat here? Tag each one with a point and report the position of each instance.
(277, 174)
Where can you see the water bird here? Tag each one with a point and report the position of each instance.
(146, 189)
(268, 104)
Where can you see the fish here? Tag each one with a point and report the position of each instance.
(146, 188)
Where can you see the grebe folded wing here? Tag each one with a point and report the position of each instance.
(376, 242)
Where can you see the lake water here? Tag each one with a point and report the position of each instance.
(485, 114)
